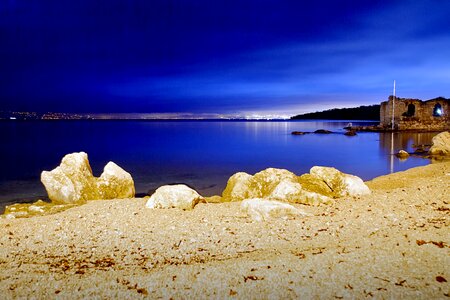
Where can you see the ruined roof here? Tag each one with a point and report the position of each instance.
(419, 100)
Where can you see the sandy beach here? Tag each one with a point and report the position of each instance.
(394, 243)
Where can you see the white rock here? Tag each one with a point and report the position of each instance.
(355, 185)
(341, 184)
(402, 154)
(238, 187)
(115, 183)
(174, 196)
(34, 208)
(313, 198)
(265, 182)
(286, 190)
(73, 182)
(293, 192)
(263, 210)
(440, 144)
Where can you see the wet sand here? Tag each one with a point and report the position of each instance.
(394, 243)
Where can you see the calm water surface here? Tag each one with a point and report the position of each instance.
(202, 154)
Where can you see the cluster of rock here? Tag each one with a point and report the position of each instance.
(73, 181)
(263, 194)
(321, 185)
(349, 132)
(440, 146)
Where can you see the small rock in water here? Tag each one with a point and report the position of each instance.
(350, 133)
(402, 154)
(298, 133)
(263, 210)
(174, 196)
(322, 131)
(420, 150)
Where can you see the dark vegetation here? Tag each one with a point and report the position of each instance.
(371, 112)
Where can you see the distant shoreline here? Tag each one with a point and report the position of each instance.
(192, 120)
(371, 112)
(358, 113)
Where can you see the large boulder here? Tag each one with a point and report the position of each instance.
(315, 185)
(262, 210)
(174, 196)
(294, 192)
(115, 183)
(264, 183)
(286, 190)
(238, 187)
(440, 144)
(340, 183)
(73, 182)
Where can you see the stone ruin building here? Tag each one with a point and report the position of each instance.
(415, 114)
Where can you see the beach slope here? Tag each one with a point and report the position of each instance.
(393, 243)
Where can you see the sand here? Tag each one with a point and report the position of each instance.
(393, 243)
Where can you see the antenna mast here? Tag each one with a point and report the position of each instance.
(393, 108)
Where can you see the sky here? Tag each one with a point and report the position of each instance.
(224, 56)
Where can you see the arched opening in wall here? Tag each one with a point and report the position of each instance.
(411, 110)
(437, 110)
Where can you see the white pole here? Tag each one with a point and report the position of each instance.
(393, 107)
(392, 152)
(392, 133)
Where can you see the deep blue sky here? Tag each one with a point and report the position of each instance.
(220, 56)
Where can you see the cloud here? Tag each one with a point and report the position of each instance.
(204, 57)
(327, 72)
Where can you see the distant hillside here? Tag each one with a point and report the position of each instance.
(371, 112)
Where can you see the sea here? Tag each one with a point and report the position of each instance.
(202, 154)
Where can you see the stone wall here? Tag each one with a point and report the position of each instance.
(414, 114)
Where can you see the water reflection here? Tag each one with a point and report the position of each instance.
(392, 143)
(404, 140)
